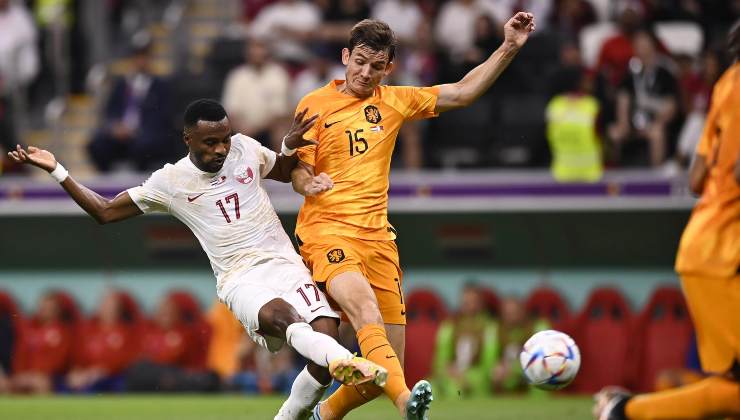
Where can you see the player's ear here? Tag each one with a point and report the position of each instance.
(389, 68)
(345, 56)
(186, 137)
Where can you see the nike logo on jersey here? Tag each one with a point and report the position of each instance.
(191, 199)
(389, 357)
(327, 125)
(314, 310)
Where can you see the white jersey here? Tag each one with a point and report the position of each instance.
(228, 211)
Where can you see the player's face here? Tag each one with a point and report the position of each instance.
(366, 68)
(209, 143)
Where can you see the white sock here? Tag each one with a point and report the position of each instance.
(315, 346)
(304, 395)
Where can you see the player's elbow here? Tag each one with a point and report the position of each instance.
(104, 215)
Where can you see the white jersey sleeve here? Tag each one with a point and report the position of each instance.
(266, 156)
(155, 194)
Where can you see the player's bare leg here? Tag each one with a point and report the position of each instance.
(356, 298)
(278, 318)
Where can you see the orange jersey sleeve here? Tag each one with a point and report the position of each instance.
(356, 140)
(710, 244)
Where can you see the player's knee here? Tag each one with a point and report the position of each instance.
(320, 373)
(276, 316)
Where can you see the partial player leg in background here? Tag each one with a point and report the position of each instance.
(713, 304)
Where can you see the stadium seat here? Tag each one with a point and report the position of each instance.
(603, 331)
(425, 304)
(547, 303)
(664, 335)
(425, 310)
(199, 327)
(492, 301)
(680, 37)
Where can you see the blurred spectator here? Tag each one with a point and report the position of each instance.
(696, 92)
(288, 23)
(403, 16)
(570, 16)
(572, 130)
(503, 10)
(514, 329)
(647, 104)
(455, 26)
(223, 357)
(487, 36)
(19, 63)
(45, 348)
(409, 137)
(108, 346)
(263, 372)
(256, 96)
(466, 350)
(338, 18)
(321, 70)
(166, 346)
(137, 125)
(617, 51)
(422, 58)
(252, 8)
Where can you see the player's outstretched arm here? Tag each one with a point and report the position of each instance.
(287, 160)
(478, 80)
(306, 183)
(100, 208)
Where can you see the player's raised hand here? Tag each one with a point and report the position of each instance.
(319, 184)
(34, 156)
(517, 29)
(294, 139)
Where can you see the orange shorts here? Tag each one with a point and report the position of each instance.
(714, 304)
(331, 255)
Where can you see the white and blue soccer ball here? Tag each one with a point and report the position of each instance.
(550, 360)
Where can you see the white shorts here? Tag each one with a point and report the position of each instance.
(245, 293)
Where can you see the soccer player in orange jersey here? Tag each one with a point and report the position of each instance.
(344, 236)
(708, 263)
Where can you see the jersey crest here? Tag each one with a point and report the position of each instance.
(244, 174)
(372, 114)
(335, 256)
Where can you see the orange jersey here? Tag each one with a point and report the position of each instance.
(710, 244)
(356, 140)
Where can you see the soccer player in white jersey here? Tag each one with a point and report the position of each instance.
(216, 190)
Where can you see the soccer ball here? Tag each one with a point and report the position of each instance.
(550, 360)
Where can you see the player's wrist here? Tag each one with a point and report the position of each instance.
(285, 150)
(59, 173)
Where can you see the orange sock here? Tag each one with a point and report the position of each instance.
(376, 348)
(711, 397)
(347, 398)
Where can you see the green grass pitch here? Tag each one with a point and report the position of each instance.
(231, 407)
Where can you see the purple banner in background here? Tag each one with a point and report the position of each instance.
(458, 190)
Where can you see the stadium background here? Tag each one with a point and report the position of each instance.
(472, 195)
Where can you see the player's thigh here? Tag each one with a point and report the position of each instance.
(386, 279)
(329, 257)
(356, 298)
(397, 337)
(713, 304)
